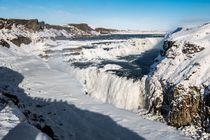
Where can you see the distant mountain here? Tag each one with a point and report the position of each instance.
(105, 30)
(23, 31)
(83, 26)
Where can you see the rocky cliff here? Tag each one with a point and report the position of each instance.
(179, 84)
(22, 31)
(105, 30)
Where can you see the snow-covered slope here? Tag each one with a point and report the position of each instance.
(54, 102)
(179, 83)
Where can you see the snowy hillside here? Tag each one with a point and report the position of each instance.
(181, 78)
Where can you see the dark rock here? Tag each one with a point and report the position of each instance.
(191, 49)
(1, 24)
(166, 46)
(12, 97)
(177, 30)
(21, 39)
(32, 25)
(83, 26)
(105, 30)
(183, 107)
(48, 130)
(4, 43)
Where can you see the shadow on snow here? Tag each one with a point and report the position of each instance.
(59, 119)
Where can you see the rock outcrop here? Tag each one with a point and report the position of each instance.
(83, 26)
(105, 30)
(21, 40)
(22, 31)
(32, 25)
(182, 78)
(4, 43)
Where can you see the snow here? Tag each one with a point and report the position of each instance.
(178, 69)
(67, 110)
(13, 124)
(26, 132)
(99, 81)
(8, 120)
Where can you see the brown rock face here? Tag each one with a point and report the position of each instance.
(32, 24)
(1, 24)
(182, 107)
(21, 39)
(185, 108)
(83, 26)
(105, 31)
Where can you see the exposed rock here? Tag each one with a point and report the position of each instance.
(4, 43)
(185, 107)
(105, 31)
(21, 39)
(32, 25)
(166, 46)
(1, 24)
(11, 97)
(48, 130)
(181, 74)
(83, 26)
(191, 49)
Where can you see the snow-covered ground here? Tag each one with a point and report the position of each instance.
(107, 68)
(58, 101)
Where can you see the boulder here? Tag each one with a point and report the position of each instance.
(21, 39)
(4, 43)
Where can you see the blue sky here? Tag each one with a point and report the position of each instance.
(122, 14)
